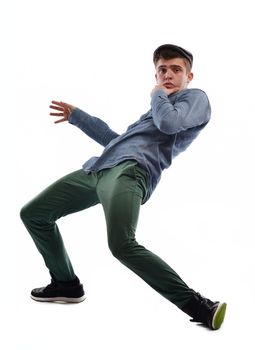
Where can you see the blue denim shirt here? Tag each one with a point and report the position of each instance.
(166, 130)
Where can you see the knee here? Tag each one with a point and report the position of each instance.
(114, 248)
(120, 249)
(116, 251)
(26, 213)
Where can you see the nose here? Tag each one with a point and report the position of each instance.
(168, 74)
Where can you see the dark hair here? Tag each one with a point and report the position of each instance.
(169, 51)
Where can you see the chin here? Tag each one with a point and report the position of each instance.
(172, 91)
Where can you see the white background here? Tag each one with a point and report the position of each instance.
(98, 55)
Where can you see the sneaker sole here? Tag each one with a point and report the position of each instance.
(61, 299)
(219, 315)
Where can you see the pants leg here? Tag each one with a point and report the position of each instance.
(72, 193)
(121, 191)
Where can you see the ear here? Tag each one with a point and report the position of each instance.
(190, 77)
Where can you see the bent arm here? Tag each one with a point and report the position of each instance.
(94, 127)
(192, 108)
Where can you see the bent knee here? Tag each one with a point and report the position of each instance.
(121, 250)
(116, 252)
(26, 212)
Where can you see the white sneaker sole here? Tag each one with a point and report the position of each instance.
(61, 299)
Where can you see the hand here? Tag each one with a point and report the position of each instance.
(161, 87)
(65, 111)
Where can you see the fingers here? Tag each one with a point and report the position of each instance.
(57, 108)
(60, 121)
(64, 108)
(62, 104)
(57, 114)
(58, 103)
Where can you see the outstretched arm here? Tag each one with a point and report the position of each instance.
(94, 127)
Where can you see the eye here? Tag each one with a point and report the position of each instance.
(162, 70)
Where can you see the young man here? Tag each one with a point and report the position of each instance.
(122, 179)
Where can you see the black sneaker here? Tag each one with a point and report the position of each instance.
(205, 311)
(69, 292)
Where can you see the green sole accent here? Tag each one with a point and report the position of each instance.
(219, 316)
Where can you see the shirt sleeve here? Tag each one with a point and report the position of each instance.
(191, 108)
(94, 127)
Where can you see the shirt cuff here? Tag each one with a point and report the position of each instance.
(158, 94)
(73, 116)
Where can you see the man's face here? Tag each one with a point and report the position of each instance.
(172, 74)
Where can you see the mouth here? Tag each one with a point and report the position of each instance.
(169, 85)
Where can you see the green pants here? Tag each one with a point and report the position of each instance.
(120, 190)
